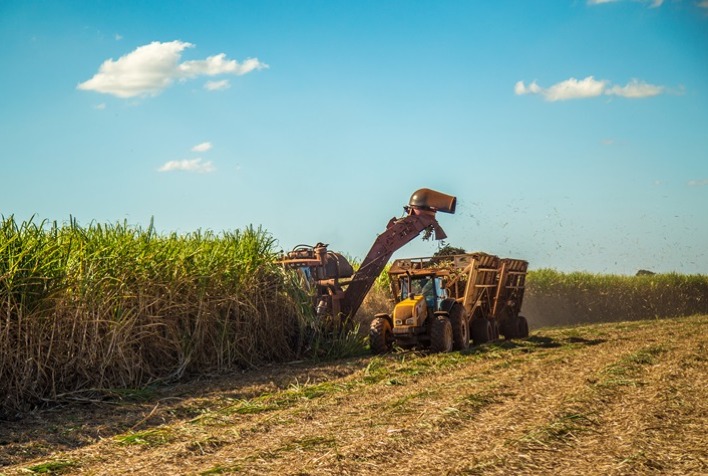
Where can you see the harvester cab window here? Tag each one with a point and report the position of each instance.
(305, 277)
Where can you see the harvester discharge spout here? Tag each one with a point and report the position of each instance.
(426, 199)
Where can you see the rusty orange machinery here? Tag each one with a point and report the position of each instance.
(337, 290)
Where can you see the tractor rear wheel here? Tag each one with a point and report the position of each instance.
(460, 328)
(481, 331)
(380, 336)
(441, 334)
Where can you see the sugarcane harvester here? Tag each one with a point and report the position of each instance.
(337, 290)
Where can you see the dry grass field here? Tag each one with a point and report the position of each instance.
(611, 399)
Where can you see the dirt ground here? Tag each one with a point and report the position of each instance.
(611, 399)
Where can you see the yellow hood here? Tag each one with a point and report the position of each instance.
(414, 307)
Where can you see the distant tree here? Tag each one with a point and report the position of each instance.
(449, 250)
(645, 272)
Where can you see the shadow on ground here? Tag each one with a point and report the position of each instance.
(87, 418)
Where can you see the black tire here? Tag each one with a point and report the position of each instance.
(523, 327)
(494, 335)
(460, 328)
(441, 334)
(481, 331)
(380, 336)
(510, 328)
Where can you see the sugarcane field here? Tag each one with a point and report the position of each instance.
(354, 238)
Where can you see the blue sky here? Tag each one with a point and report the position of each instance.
(574, 133)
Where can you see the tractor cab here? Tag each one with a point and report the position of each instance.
(430, 287)
(419, 293)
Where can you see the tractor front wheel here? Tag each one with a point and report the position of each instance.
(380, 336)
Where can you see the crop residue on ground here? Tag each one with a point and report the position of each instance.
(614, 398)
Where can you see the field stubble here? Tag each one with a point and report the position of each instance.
(616, 398)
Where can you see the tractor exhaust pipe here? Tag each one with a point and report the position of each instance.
(426, 199)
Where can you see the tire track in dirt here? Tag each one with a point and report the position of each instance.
(486, 441)
(268, 443)
(497, 409)
(497, 441)
(384, 440)
(645, 413)
(263, 442)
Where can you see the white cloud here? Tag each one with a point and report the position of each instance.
(118, 37)
(203, 147)
(636, 89)
(150, 69)
(588, 88)
(575, 89)
(100, 106)
(653, 3)
(520, 88)
(188, 165)
(217, 85)
(702, 4)
(218, 64)
(144, 72)
(698, 183)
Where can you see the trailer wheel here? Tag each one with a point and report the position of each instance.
(481, 331)
(460, 328)
(441, 334)
(523, 327)
(510, 327)
(516, 328)
(495, 329)
(380, 336)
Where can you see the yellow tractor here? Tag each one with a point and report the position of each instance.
(443, 301)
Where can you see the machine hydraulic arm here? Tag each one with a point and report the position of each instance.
(420, 216)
